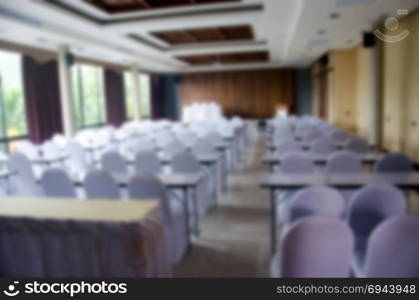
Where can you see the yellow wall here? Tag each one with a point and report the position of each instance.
(401, 91)
(342, 89)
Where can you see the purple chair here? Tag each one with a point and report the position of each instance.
(357, 145)
(339, 136)
(393, 249)
(322, 146)
(99, 184)
(344, 162)
(286, 147)
(297, 163)
(394, 162)
(368, 207)
(315, 246)
(316, 200)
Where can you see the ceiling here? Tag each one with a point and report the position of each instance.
(195, 35)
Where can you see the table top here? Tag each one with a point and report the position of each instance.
(339, 180)
(169, 180)
(367, 158)
(48, 160)
(76, 209)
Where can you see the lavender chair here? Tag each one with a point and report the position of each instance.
(316, 200)
(114, 163)
(56, 183)
(357, 144)
(322, 146)
(393, 249)
(286, 147)
(296, 163)
(147, 186)
(187, 163)
(147, 162)
(339, 136)
(368, 207)
(315, 246)
(394, 162)
(344, 162)
(24, 182)
(99, 184)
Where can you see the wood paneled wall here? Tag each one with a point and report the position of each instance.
(250, 94)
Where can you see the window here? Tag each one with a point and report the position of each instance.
(129, 95)
(145, 96)
(13, 123)
(88, 93)
(144, 85)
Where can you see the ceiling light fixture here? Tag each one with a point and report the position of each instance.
(321, 31)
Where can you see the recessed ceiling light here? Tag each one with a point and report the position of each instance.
(335, 15)
(321, 31)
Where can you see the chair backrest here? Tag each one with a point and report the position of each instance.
(312, 135)
(99, 184)
(297, 163)
(147, 162)
(316, 200)
(339, 135)
(185, 163)
(394, 162)
(114, 163)
(30, 150)
(204, 146)
(344, 162)
(56, 183)
(317, 247)
(77, 156)
(371, 205)
(19, 163)
(358, 145)
(173, 148)
(148, 186)
(286, 147)
(322, 146)
(51, 150)
(393, 249)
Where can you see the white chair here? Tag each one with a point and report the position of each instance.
(99, 184)
(29, 150)
(173, 148)
(24, 182)
(114, 163)
(147, 162)
(147, 186)
(186, 163)
(51, 151)
(56, 183)
(77, 160)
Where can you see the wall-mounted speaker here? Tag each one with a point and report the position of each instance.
(324, 60)
(369, 40)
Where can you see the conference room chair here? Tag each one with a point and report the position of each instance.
(368, 207)
(311, 135)
(114, 163)
(24, 181)
(173, 148)
(147, 186)
(315, 246)
(288, 146)
(188, 164)
(339, 136)
(78, 161)
(56, 183)
(316, 200)
(394, 162)
(30, 150)
(322, 146)
(147, 162)
(99, 184)
(357, 145)
(393, 249)
(344, 163)
(298, 163)
(187, 138)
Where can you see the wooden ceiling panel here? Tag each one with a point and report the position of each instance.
(203, 35)
(199, 59)
(227, 58)
(122, 6)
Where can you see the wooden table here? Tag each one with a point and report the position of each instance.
(277, 182)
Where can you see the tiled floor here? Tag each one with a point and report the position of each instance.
(235, 235)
